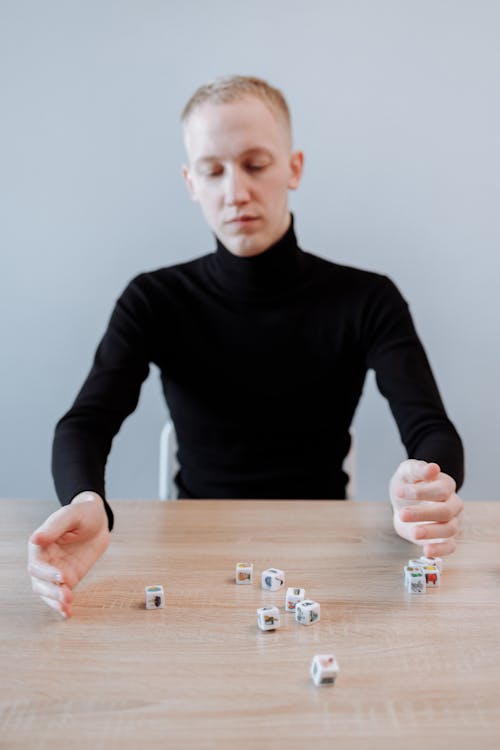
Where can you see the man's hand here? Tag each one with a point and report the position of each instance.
(421, 494)
(64, 548)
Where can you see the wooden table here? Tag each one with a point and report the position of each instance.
(416, 671)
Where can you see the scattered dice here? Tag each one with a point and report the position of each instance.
(414, 579)
(155, 597)
(307, 612)
(244, 573)
(292, 597)
(272, 579)
(268, 618)
(324, 669)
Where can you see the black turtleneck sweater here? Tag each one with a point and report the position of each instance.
(262, 361)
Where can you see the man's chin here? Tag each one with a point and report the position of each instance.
(243, 245)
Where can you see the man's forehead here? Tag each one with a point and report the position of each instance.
(244, 125)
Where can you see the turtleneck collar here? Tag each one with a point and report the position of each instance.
(275, 269)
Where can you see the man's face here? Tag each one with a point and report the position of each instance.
(240, 170)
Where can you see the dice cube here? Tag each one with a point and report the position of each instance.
(268, 618)
(437, 561)
(324, 669)
(432, 575)
(155, 597)
(292, 597)
(307, 612)
(272, 579)
(244, 573)
(414, 579)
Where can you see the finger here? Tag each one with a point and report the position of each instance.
(412, 470)
(39, 568)
(61, 594)
(439, 512)
(436, 531)
(440, 549)
(63, 609)
(437, 490)
(55, 605)
(58, 523)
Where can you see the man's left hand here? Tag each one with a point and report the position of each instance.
(422, 494)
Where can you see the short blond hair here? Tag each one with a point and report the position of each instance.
(227, 89)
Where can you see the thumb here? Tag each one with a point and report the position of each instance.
(413, 470)
(431, 472)
(58, 523)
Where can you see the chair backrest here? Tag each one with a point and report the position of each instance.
(349, 466)
(167, 489)
(168, 462)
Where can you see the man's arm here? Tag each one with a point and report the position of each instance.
(63, 549)
(435, 469)
(83, 436)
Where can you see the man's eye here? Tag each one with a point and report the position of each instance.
(256, 167)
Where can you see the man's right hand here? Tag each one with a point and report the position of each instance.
(64, 548)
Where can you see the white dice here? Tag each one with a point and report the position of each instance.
(268, 618)
(414, 579)
(155, 597)
(429, 567)
(432, 575)
(437, 561)
(307, 612)
(244, 573)
(272, 579)
(324, 669)
(292, 597)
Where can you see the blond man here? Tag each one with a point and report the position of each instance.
(263, 349)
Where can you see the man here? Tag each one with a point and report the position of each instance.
(263, 350)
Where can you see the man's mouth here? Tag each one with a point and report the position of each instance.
(242, 220)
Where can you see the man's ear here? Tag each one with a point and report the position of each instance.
(296, 167)
(189, 182)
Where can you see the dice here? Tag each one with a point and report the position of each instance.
(430, 569)
(307, 612)
(432, 575)
(272, 579)
(155, 597)
(437, 561)
(324, 669)
(292, 597)
(244, 573)
(414, 579)
(268, 618)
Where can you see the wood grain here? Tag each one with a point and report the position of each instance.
(200, 674)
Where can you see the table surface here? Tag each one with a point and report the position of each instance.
(200, 674)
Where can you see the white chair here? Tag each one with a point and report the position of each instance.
(169, 465)
(349, 466)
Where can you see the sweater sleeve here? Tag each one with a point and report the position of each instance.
(83, 436)
(403, 375)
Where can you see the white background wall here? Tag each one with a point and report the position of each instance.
(396, 105)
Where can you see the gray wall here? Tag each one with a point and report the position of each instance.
(396, 105)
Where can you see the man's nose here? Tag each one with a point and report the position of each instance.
(236, 188)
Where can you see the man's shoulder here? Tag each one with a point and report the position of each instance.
(171, 275)
(342, 274)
